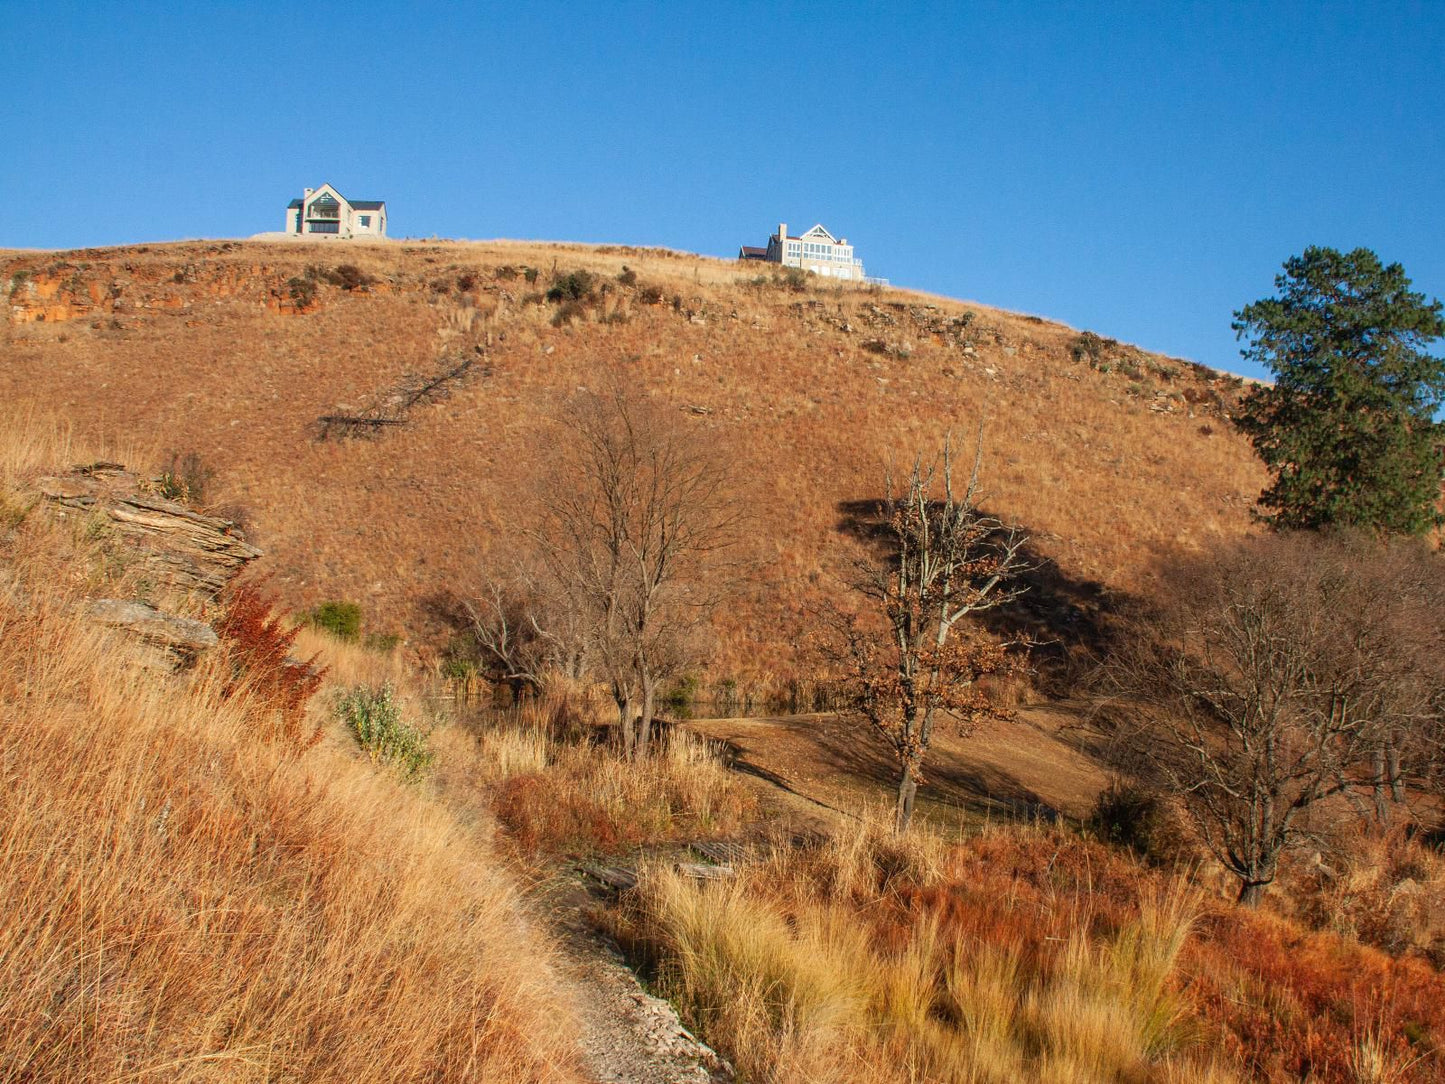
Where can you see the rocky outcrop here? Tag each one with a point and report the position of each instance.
(185, 550)
(176, 640)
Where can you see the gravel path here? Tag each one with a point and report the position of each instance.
(628, 1036)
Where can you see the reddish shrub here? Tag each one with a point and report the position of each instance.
(258, 648)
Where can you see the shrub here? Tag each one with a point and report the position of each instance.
(627, 277)
(573, 286)
(650, 295)
(341, 619)
(1139, 820)
(383, 641)
(258, 649)
(185, 478)
(795, 279)
(680, 698)
(374, 718)
(530, 274)
(567, 312)
(302, 290)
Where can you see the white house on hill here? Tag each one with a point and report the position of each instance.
(325, 214)
(817, 251)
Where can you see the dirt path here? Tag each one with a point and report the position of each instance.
(628, 1036)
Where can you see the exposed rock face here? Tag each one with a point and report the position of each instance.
(188, 551)
(179, 639)
(188, 554)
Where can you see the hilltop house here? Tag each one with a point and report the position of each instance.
(817, 251)
(325, 214)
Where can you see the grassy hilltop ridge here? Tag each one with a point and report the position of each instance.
(1107, 455)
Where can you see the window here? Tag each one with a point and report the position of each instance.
(324, 207)
(366, 222)
(325, 227)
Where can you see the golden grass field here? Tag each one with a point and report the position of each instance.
(197, 347)
(185, 901)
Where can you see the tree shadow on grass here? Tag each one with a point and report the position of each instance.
(1070, 618)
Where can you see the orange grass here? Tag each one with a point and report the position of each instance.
(182, 902)
(1020, 954)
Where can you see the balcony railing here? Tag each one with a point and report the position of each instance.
(323, 212)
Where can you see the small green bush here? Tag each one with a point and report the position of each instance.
(383, 641)
(341, 619)
(573, 286)
(681, 697)
(303, 290)
(374, 719)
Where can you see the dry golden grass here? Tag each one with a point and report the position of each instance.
(184, 903)
(812, 967)
(1020, 954)
(557, 792)
(805, 412)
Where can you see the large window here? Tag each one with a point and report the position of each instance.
(325, 207)
(324, 227)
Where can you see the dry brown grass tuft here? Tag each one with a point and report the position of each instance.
(557, 792)
(849, 962)
(185, 902)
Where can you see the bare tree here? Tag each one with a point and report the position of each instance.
(1271, 677)
(637, 508)
(527, 629)
(909, 660)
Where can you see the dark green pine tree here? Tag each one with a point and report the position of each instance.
(1348, 429)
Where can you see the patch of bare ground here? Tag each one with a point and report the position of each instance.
(811, 767)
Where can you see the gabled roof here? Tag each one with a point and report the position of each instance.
(818, 233)
(750, 250)
(354, 204)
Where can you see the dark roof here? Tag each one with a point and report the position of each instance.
(748, 252)
(356, 204)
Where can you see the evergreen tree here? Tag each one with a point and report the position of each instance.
(1348, 429)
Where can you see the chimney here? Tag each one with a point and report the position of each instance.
(307, 193)
(782, 232)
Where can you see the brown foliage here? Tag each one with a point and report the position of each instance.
(258, 647)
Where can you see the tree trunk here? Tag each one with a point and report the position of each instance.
(1250, 892)
(1382, 808)
(624, 724)
(644, 721)
(1397, 779)
(907, 788)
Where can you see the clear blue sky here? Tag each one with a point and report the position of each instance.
(1138, 169)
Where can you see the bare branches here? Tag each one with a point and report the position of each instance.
(637, 511)
(906, 660)
(1276, 675)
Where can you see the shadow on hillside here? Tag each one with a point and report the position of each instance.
(1070, 618)
(840, 747)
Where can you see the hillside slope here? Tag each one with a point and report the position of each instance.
(1109, 456)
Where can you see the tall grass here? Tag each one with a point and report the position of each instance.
(837, 964)
(557, 791)
(183, 902)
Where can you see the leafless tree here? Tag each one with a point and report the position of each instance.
(637, 507)
(911, 657)
(526, 629)
(1270, 678)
